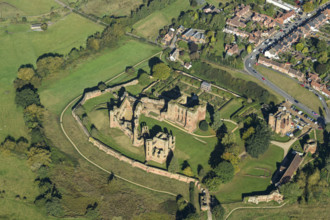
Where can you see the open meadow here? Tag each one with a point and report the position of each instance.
(291, 87)
(59, 90)
(149, 26)
(10, 8)
(254, 175)
(20, 45)
(113, 7)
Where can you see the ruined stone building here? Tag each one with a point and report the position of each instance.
(281, 121)
(125, 116)
(274, 196)
(310, 146)
(158, 147)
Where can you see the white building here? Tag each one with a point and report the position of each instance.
(283, 5)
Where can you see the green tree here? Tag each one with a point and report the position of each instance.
(161, 71)
(299, 46)
(212, 182)
(33, 115)
(249, 48)
(44, 26)
(218, 212)
(291, 191)
(25, 73)
(308, 7)
(248, 133)
(49, 63)
(217, 122)
(188, 171)
(102, 86)
(203, 125)
(38, 157)
(258, 142)
(321, 68)
(225, 171)
(27, 96)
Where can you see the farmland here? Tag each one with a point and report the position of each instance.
(10, 8)
(149, 26)
(20, 46)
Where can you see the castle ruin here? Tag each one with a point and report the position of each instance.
(281, 121)
(125, 116)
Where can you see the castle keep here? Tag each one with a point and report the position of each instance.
(125, 116)
(280, 122)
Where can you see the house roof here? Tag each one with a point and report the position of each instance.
(291, 169)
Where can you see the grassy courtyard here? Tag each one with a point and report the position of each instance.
(149, 26)
(249, 179)
(230, 108)
(293, 88)
(20, 45)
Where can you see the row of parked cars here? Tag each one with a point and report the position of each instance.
(304, 115)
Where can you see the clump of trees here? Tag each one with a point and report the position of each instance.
(256, 135)
(161, 71)
(223, 173)
(226, 80)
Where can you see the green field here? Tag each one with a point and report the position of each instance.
(291, 87)
(113, 7)
(22, 46)
(232, 192)
(230, 108)
(57, 92)
(149, 26)
(10, 8)
(16, 178)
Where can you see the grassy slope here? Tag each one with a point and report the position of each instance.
(56, 93)
(32, 7)
(17, 179)
(294, 89)
(113, 7)
(149, 26)
(232, 192)
(22, 46)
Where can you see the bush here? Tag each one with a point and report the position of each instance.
(203, 125)
(144, 79)
(225, 171)
(26, 96)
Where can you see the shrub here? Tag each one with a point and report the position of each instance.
(203, 125)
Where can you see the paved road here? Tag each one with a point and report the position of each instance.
(251, 60)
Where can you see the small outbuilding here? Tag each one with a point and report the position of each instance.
(206, 86)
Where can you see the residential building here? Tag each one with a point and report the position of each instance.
(210, 9)
(264, 20)
(174, 55)
(235, 22)
(282, 67)
(168, 37)
(286, 17)
(285, 6)
(193, 35)
(235, 31)
(243, 11)
(231, 49)
(288, 171)
(325, 92)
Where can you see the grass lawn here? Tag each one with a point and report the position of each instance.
(279, 138)
(22, 46)
(232, 192)
(149, 26)
(26, 8)
(113, 7)
(187, 147)
(291, 87)
(230, 126)
(16, 178)
(230, 108)
(289, 211)
(57, 92)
